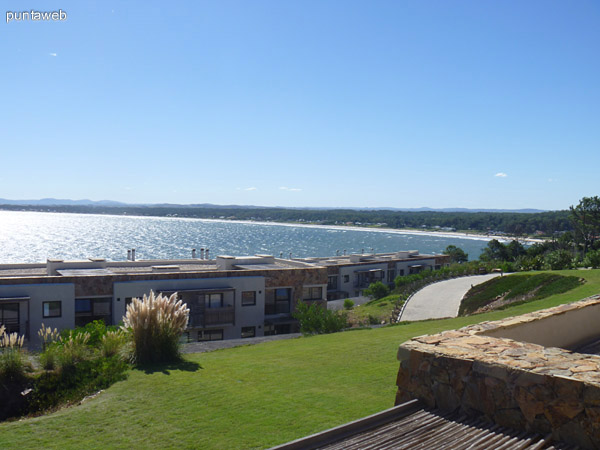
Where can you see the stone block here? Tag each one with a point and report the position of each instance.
(591, 395)
(445, 397)
(510, 417)
(528, 404)
(560, 412)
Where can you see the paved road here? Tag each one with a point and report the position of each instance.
(441, 299)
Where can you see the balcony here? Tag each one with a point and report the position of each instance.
(364, 278)
(279, 307)
(212, 316)
(219, 316)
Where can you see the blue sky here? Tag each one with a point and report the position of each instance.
(476, 104)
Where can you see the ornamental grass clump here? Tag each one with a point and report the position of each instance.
(156, 322)
(12, 363)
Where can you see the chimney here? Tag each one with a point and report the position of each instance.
(129, 255)
(202, 253)
(193, 253)
(133, 254)
(206, 254)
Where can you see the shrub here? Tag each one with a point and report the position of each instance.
(314, 319)
(592, 259)
(95, 330)
(558, 260)
(113, 342)
(348, 304)
(72, 350)
(12, 363)
(47, 335)
(373, 320)
(156, 322)
(377, 290)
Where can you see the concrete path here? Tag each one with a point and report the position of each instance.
(441, 299)
(201, 347)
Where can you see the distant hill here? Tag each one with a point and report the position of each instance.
(86, 202)
(61, 201)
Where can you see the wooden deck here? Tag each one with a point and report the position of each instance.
(410, 426)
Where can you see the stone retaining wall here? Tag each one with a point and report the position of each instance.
(515, 384)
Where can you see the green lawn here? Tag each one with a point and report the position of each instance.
(250, 397)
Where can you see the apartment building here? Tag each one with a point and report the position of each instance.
(228, 297)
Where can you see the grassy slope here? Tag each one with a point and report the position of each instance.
(382, 309)
(534, 285)
(250, 397)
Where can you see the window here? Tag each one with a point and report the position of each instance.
(401, 272)
(391, 275)
(9, 317)
(51, 309)
(312, 293)
(248, 298)
(248, 332)
(214, 300)
(277, 301)
(210, 335)
(89, 309)
(332, 282)
(346, 278)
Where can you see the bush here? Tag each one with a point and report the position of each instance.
(156, 322)
(314, 319)
(95, 331)
(373, 320)
(114, 343)
(592, 259)
(348, 304)
(558, 260)
(377, 290)
(12, 363)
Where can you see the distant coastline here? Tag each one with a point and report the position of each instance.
(407, 231)
(445, 234)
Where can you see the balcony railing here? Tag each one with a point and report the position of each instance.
(363, 283)
(219, 316)
(212, 316)
(279, 307)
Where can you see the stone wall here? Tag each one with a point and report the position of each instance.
(514, 384)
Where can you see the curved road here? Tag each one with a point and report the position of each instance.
(441, 299)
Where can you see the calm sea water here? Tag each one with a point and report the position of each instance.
(34, 237)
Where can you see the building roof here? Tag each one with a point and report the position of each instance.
(409, 426)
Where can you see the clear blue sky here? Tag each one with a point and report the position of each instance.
(477, 104)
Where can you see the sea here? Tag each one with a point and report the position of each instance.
(33, 237)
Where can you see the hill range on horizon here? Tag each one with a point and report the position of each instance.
(113, 203)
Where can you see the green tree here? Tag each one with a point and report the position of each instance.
(457, 255)
(515, 250)
(586, 221)
(558, 260)
(495, 251)
(377, 290)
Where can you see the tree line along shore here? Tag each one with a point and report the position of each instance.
(498, 224)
